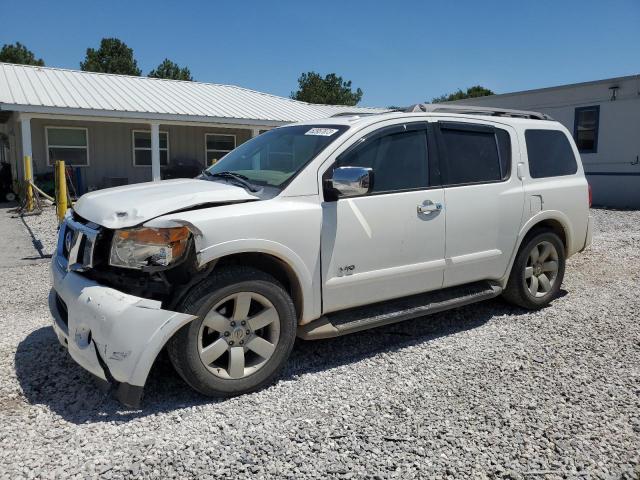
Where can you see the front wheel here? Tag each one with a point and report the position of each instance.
(243, 335)
(537, 272)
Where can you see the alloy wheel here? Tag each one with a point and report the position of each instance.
(238, 335)
(541, 270)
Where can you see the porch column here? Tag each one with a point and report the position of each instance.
(27, 164)
(27, 151)
(255, 163)
(155, 151)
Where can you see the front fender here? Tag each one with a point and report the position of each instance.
(310, 299)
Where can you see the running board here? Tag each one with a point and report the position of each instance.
(392, 311)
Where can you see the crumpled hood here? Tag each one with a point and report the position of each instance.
(131, 205)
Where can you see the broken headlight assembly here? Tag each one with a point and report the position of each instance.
(139, 248)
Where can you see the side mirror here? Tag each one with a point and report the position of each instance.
(352, 181)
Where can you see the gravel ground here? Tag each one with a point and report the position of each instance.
(44, 229)
(486, 391)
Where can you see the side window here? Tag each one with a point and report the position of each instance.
(504, 149)
(550, 154)
(474, 153)
(398, 158)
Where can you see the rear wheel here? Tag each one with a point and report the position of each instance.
(243, 335)
(537, 272)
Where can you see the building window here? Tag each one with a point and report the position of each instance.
(69, 144)
(586, 128)
(217, 146)
(142, 148)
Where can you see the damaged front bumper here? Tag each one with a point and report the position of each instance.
(113, 335)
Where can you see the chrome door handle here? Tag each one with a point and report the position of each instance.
(428, 207)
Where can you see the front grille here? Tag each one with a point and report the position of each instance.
(76, 244)
(62, 309)
(65, 246)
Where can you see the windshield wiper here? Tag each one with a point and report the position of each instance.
(239, 178)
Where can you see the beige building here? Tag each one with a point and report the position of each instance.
(117, 129)
(604, 117)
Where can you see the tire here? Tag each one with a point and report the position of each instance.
(528, 275)
(219, 300)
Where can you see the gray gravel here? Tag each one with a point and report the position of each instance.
(486, 391)
(44, 228)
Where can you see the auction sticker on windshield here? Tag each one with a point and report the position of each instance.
(323, 132)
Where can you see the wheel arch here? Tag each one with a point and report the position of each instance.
(276, 260)
(553, 220)
(549, 224)
(273, 265)
(549, 220)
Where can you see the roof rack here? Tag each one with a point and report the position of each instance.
(490, 111)
(357, 114)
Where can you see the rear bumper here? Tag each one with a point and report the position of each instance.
(589, 235)
(111, 334)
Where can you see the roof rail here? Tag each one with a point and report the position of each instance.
(356, 114)
(490, 111)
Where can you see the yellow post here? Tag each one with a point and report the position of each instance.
(61, 190)
(28, 178)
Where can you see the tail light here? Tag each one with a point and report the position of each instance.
(590, 195)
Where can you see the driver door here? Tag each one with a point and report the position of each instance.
(388, 243)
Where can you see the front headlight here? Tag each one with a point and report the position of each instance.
(148, 247)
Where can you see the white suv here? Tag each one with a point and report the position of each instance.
(317, 229)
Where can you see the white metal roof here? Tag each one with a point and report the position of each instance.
(32, 89)
(567, 86)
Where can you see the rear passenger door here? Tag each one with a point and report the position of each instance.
(483, 199)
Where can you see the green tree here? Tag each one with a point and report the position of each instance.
(18, 53)
(171, 70)
(113, 56)
(472, 92)
(330, 90)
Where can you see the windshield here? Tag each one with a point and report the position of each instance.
(276, 156)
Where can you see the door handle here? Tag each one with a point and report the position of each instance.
(428, 207)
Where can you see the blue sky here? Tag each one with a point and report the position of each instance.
(398, 52)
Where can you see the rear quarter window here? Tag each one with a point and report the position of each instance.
(550, 154)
